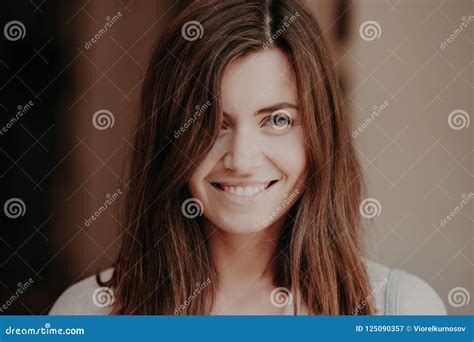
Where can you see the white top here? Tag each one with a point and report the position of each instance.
(394, 292)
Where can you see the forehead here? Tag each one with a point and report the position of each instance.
(258, 80)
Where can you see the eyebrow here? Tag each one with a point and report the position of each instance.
(272, 108)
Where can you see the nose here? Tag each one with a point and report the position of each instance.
(244, 152)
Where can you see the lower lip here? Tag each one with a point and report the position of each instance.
(241, 200)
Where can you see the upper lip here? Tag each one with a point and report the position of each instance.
(243, 183)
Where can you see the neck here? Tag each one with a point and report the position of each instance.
(242, 258)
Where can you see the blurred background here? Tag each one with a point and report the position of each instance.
(407, 71)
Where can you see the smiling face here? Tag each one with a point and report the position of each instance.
(255, 171)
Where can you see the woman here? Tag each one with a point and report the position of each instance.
(244, 185)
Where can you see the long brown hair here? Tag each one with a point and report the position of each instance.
(163, 253)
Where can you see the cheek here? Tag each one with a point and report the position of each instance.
(288, 153)
(204, 168)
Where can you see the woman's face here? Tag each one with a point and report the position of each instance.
(255, 171)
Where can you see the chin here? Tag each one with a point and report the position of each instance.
(241, 225)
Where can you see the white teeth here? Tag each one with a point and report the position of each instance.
(246, 191)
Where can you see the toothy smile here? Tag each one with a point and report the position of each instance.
(243, 189)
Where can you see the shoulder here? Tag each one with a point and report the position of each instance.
(86, 297)
(397, 292)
